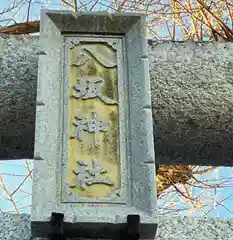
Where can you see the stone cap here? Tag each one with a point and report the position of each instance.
(93, 22)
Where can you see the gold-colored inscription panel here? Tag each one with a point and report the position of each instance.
(93, 146)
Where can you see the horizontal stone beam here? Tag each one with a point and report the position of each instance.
(18, 83)
(14, 227)
(192, 89)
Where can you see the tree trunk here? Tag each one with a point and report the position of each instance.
(192, 89)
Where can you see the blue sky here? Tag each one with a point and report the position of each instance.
(9, 169)
(12, 175)
(23, 198)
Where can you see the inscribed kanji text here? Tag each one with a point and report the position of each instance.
(93, 126)
(86, 89)
(86, 176)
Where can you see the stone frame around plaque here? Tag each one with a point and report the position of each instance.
(49, 137)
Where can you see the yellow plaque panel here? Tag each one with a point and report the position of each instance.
(93, 146)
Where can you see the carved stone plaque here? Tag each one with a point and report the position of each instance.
(93, 165)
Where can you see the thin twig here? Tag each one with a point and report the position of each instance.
(28, 10)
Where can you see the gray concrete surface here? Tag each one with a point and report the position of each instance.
(17, 227)
(192, 88)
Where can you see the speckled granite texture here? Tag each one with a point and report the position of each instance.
(169, 228)
(18, 81)
(192, 89)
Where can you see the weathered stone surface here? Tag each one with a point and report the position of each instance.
(18, 75)
(191, 96)
(192, 87)
(104, 212)
(17, 227)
